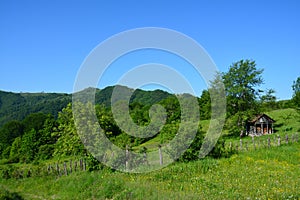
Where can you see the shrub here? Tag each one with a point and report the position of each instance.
(6, 195)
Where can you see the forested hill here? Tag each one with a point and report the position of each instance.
(16, 106)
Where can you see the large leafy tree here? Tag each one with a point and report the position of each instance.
(34, 121)
(296, 89)
(10, 131)
(68, 141)
(241, 85)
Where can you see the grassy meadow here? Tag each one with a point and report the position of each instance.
(264, 173)
(272, 173)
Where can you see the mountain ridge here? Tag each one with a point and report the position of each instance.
(16, 106)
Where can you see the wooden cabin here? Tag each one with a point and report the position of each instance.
(260, 125)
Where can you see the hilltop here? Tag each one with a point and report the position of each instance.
(16, 106)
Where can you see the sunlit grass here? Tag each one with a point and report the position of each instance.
(264, 174)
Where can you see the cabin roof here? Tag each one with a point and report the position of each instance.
(255, 119)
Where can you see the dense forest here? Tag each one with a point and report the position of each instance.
(40, 126)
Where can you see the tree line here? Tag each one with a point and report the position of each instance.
(41, 136)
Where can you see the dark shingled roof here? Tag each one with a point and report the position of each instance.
(260, 116)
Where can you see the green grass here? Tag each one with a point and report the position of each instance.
(287, 120)
(263, 174)
(266, 173)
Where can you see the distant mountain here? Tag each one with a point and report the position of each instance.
(16, 106)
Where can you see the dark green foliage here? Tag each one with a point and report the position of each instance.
(15, 151)
(40, 136)
(68, 141)
(192, 153)
(220, 151)
(241, 83)
(296, 95)
(93, 163)
(16, 106)
(24, 141)
(6, 152)
(143, 97)
(205, 105)
(6, 195)
(9, 132)
(172, 106)
(283, 104)
(34, 121)
(149, 97)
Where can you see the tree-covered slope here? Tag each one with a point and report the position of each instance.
(16, 106)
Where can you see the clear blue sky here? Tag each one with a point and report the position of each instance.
(43, 43)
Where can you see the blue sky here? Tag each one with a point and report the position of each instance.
(43, 43)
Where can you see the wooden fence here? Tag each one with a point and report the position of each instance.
(72, 166)
(67, 167)
(272, 140)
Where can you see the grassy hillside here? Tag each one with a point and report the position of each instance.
(263, 174)
(287, 120)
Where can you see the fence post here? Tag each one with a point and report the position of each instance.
(160, 155)
(145, 158)
(269, 142)
(126, 157)
(278, 140)
(230, 146)
(57, 169)
(286, 139)
(70, 166)
(246, 145)
(65, 168)
(81, 164)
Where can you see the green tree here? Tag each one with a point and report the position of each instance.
(172, 106)
(15, 150)
(205, 105)
(269, 99)
(296, 95)
(46, 140)
(29, 146)
(34, 121)
(241, 83)
(9, 132)
(68, 141)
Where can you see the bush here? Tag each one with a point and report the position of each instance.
(6, 171)
(6, 195)
(6, 152)
(45, 152)
(219, 150)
